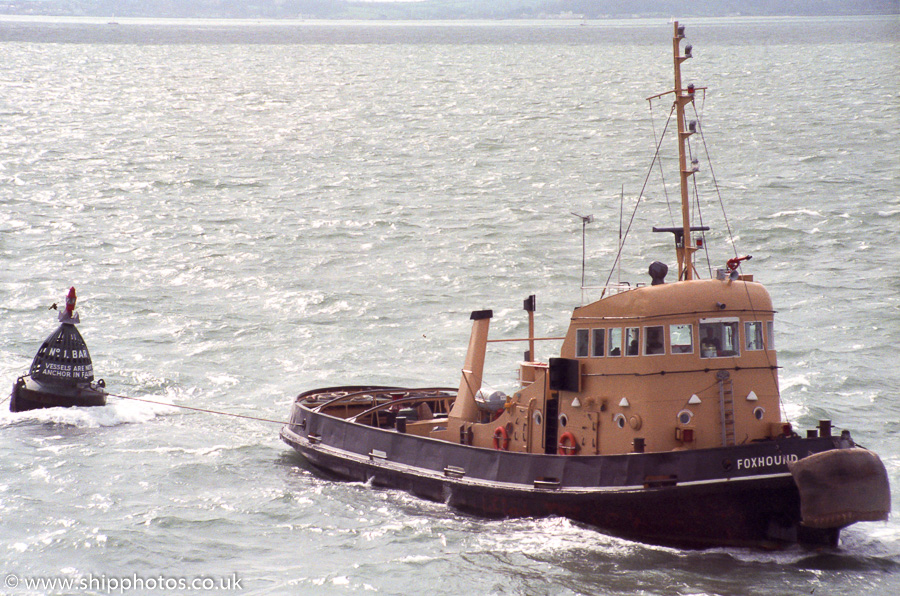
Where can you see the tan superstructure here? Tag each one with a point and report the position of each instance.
(685, 365)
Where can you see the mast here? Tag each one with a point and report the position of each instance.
(685, 249)
(684, 244)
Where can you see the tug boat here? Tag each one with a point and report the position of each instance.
(61, 373)
(659, 421)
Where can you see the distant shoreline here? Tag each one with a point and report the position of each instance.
(466, 22)
(712, 30)
(267, 11)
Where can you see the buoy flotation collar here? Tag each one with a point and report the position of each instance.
(501, 438)
(568, 445)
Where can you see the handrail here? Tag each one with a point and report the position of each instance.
(609, 290)
(356, 394)
(375, 392)
(525, 339)
(400, 401)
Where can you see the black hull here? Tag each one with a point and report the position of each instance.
(732, 496)
(31, 395)
(758, 513)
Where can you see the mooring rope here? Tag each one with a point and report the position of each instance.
(204, 410)
(162, 403)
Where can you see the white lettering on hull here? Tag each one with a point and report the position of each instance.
(749, 463)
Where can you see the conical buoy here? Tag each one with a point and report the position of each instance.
(61, 373)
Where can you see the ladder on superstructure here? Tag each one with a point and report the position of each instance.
(726, 407)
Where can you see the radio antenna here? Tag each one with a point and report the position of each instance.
(621, 210)
(585, 220)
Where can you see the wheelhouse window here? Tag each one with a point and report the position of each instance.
(770, 334)
(632, 340)
(719, 338)
(654, 340)
(681, 338)
(598, 345)
(582, 339)
(615, 342)
(753, 335)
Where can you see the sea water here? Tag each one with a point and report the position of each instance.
(249, 210)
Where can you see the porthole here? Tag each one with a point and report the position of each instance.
(685, 416)
(619, 419)
(563, 420)
(759, 412)
(538, 418)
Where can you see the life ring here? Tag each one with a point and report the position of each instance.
(501, 438)
(568, 445)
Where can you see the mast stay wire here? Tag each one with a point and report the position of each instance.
(715, 182)
(712, 174)
(662, 174)
(695, 204)
(638, 202)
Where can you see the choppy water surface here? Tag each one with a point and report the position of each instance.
(324, 205)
